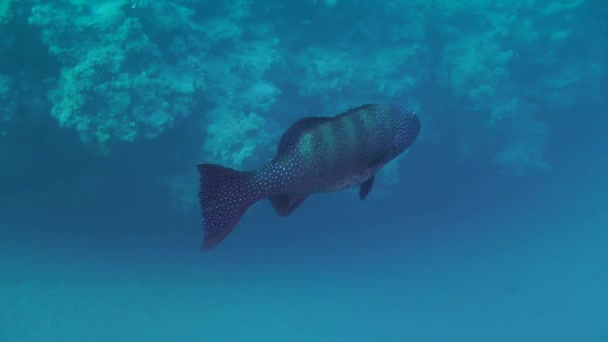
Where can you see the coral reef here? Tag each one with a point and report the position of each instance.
(5, 11)
(509, 45)
(234, 137)
(116, 83)
(132, 70)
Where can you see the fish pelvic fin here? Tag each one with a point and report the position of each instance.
(225, 194)
(366, 187)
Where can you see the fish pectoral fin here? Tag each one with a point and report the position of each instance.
(365, 188)
(286, 204)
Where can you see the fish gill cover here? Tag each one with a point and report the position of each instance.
(485, 76)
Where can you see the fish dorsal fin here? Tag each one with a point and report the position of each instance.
(354, 110)
(292, 135)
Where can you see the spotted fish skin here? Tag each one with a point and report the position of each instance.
(315, 155)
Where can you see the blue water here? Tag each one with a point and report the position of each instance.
(469, 239)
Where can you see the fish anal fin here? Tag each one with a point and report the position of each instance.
(366, 187)
(286, 204)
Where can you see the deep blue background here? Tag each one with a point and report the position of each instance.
(93, 248)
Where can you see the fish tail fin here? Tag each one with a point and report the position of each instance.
(225, 194)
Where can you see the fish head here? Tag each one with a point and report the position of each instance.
(407, 128)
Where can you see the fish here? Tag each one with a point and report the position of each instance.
(316, 154)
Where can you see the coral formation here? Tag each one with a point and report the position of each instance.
(116, 83)
(131, 70)
(5, 11)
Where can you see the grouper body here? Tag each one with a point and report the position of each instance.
(315, 155)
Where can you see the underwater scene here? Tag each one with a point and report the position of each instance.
(314, 170)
